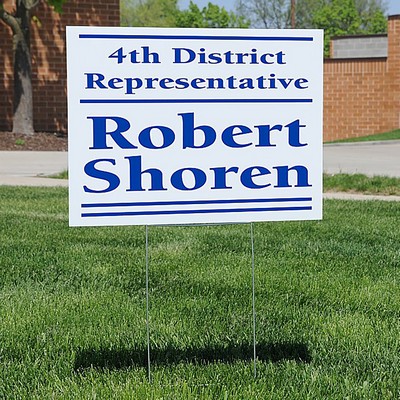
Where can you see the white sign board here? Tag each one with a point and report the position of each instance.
(175, 126)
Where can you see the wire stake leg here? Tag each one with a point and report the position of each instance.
(253, 299)
(147, 305)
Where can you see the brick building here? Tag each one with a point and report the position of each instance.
(49, 73)
(361, 95)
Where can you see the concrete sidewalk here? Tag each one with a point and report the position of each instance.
(359, 196)
(30, 168)
(368, 158)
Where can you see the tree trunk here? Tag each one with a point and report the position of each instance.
(293, 14)
(23, 99)
(20, 26)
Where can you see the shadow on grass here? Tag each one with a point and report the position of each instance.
(126, 358)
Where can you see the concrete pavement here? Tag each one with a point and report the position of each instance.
(359, 196)
(30, 168)
(369, 158)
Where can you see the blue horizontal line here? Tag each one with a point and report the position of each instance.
(194, 202)
(195, 37)
(177, 212)
(158, 101)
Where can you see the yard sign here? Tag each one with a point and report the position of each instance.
(176, 126)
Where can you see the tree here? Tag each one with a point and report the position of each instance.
(165, 13)
(305, 10)
(265, 13)
(161, 13)
(211, 16)
(372, 13)
(336, 17)
(19, 20)
(349, 17)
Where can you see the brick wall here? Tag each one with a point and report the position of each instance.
(362, 96)
(48, 58)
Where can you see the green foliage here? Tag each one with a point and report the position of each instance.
(336, 17)
(57, 4)
(211, 16)
(19, 142)
(305, 10)
(347, 17)
(165, 13)
(374, 23)
(152, 13)
(265, 13)
(72, 306)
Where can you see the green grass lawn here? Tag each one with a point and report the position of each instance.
(359, 183)
(72, 306)
(61, 175)
(391, 135)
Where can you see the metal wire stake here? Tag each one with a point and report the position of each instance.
(147, 304)
(253, 300)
